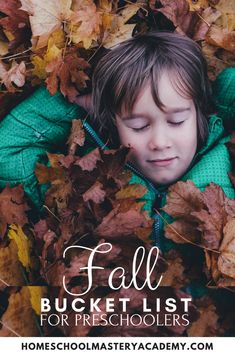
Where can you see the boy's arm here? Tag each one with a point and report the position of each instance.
(38, 125)
(224, 96)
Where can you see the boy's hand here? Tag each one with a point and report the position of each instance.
(84, 101)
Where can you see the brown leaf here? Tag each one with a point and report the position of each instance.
(222, 38)
(77, 136)
(209, 16)
(16, 22)
(183, 232)
(174, 276)
(96, 193)
(89, 161)
(118, 224)
(68, 74)
(135, 191)
(226, 260)
(11, 272)
(13, 207)
(183, 198)
(16, 74)
(207, 324)
(211, 222)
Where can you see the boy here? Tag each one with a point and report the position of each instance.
(150, 93)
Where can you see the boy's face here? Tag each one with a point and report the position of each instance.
(163, 144)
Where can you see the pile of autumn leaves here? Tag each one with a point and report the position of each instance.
(57, 42)
(90, 202)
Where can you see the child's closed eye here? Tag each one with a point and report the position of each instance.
(142, 128)
(176, 123)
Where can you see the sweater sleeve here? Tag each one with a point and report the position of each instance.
(224, 96)
(38, 125)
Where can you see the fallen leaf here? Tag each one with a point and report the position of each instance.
(119, 30)
(11, 271)
(135, 191)
(19, 307)
(13, 207)
(68, 74)
(85, 24)
(227, 19)
(96, 193)
(222, 38)
(183, 198)
(226, 260)
(23, 244)
(15, 23)
(77, 136)
(88, 162)
(207, 324)
(16, 74)
(46, 17)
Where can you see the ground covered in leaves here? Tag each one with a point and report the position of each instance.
(90, 201)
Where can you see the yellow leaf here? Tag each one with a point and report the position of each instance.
(227, 19)
(11, 273)
(36, 293)
(55, 43)
(3, 48)
(39, 67)
(19, 318)
(23, 244)
(120, 31)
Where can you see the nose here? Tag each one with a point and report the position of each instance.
(159, 138)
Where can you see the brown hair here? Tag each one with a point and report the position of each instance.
(125, 70)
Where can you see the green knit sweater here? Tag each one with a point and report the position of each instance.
(42, 123)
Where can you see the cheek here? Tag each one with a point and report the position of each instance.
(187, 138)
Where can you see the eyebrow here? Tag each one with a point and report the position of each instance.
(167, 111)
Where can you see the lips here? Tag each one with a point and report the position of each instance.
(162, 162)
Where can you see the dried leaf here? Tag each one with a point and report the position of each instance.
(77, 136)
(23, 244)
(183, 198)
(221, 38)
(12, 208)
(19, 307)
(11, 272)
(16, 75)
